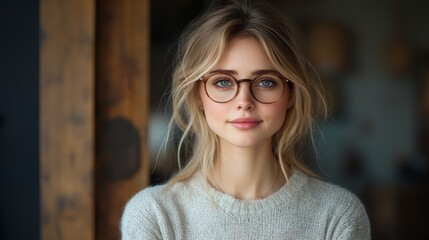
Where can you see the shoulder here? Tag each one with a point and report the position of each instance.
(148, 209)
(158, 194)
(345, 210)
(335, 198)
(321, 191)
(147, 213)
(331, 192)
(138, 220)
(145, 200)
(144, 197)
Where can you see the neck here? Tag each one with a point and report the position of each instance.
(247, 173)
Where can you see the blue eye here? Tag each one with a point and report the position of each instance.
(223, 83)
(266, 83)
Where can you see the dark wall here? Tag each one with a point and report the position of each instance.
(19, 120)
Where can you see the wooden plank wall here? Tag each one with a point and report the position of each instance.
(122, 83)
(66, 118)
(94, 74)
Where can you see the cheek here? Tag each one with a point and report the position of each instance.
(213, 112)
(277, 113)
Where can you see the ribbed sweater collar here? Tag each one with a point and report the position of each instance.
(232, 205)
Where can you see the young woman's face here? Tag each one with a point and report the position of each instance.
(244, 121)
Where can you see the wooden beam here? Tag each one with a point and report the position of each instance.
(122, 82)
(66, 119)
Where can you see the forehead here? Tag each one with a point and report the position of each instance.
(244, 55)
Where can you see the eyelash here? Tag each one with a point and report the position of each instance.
(217, 83)
(272, 83)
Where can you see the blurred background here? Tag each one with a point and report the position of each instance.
(373, 55)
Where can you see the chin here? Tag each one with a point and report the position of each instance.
(246, 143)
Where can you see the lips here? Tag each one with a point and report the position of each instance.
(245, 123)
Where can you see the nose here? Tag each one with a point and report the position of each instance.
(244, 99)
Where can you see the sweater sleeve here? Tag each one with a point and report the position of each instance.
(354, 222)
(138, 222)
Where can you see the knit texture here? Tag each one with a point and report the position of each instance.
(304, 208)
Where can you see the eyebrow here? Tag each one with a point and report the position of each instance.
(254, 73)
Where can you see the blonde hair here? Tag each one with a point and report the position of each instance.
(200, 48)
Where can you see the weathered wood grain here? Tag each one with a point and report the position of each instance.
(122, 83)
(67, 30)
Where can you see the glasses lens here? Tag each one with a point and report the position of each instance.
(268, 88)
(221, 87)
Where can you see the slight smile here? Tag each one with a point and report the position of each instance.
(245, 123)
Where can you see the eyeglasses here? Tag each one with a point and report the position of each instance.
(265, 88)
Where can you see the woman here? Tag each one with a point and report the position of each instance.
(245, 100)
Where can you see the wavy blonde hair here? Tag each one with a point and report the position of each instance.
(201, 47)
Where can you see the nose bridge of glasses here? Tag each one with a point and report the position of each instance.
(248, 91)
(240, 81)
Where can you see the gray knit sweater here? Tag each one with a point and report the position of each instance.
(304, 208)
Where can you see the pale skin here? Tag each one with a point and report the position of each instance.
(246, 168)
